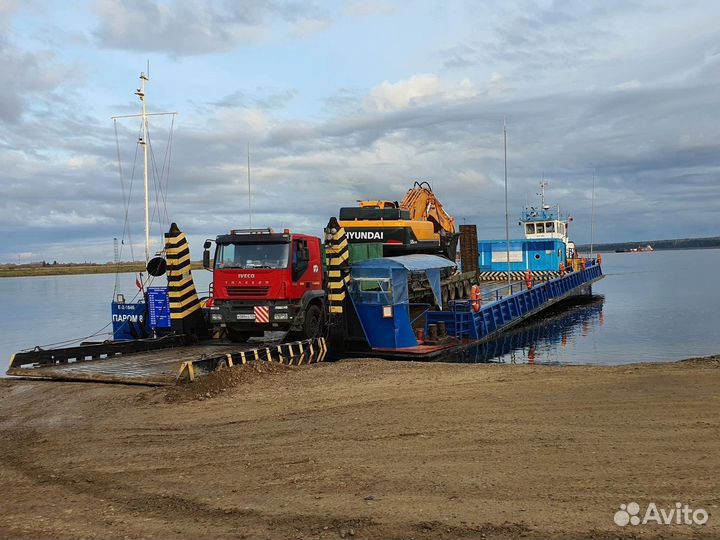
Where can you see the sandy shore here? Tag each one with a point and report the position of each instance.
(364, 449)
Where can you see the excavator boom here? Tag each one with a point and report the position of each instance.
(423, 204)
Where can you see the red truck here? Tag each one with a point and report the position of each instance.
(263, 280)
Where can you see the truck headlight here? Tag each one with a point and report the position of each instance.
(281, 316)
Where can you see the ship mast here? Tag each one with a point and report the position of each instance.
(143, 142)
(543, 185)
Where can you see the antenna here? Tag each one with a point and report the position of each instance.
(592, 216)
(543, 185)
(116, 259)
(248, 177)
(507, 223)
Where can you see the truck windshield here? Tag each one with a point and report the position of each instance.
(252, 256)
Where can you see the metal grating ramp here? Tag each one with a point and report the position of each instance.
(170, 365)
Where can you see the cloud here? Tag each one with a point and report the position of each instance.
(31, 77)
(459, 56)
(418, 90)
(628, 85)
(264, 99)
(188, 27)
(642, 119)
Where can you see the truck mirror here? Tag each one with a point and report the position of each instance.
(206, 257)
(207, 244)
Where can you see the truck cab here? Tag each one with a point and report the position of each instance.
(263, 280)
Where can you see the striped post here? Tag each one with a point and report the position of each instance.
(336, 249)
(185, 313)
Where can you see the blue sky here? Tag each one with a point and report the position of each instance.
(348, 100)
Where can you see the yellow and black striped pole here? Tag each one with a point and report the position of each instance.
(185, 313)
(338, 265)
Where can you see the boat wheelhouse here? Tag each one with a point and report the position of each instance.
(544, 249)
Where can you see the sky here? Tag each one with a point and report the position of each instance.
(342, 101)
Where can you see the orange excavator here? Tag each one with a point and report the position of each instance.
(417, 224)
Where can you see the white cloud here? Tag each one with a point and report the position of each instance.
(194, 27)
(628, 85)
(418, 90)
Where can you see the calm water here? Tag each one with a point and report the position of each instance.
(660, 306)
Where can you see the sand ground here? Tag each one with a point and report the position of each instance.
(364, 449)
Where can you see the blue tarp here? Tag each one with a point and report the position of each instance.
(379, 291)
(397, 270)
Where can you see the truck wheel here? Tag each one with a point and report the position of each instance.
(238, 336)
(313, 325)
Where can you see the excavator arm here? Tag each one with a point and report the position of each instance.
(423, 204)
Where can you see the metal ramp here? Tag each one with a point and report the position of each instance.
(162, 362)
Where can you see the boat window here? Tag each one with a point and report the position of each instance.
(252, 255)
(561, 228)
(550, 226)
(529, 228)
(372, 290)
(540, 227)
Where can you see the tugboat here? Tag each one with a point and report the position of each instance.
(546, 249)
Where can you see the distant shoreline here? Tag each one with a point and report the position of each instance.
(74, 269)
(712, 242)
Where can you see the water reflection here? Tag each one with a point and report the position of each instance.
(543, 339)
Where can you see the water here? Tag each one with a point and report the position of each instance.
(48, 310)
(660, 306)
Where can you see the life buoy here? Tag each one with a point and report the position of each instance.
(475, 298)
(529, 278)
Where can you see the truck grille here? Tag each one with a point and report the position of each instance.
(247, 292)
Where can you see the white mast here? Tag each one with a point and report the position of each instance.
(507, 222)
(141, 94)
(144, 142)
(592, 217)
(248, 176)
